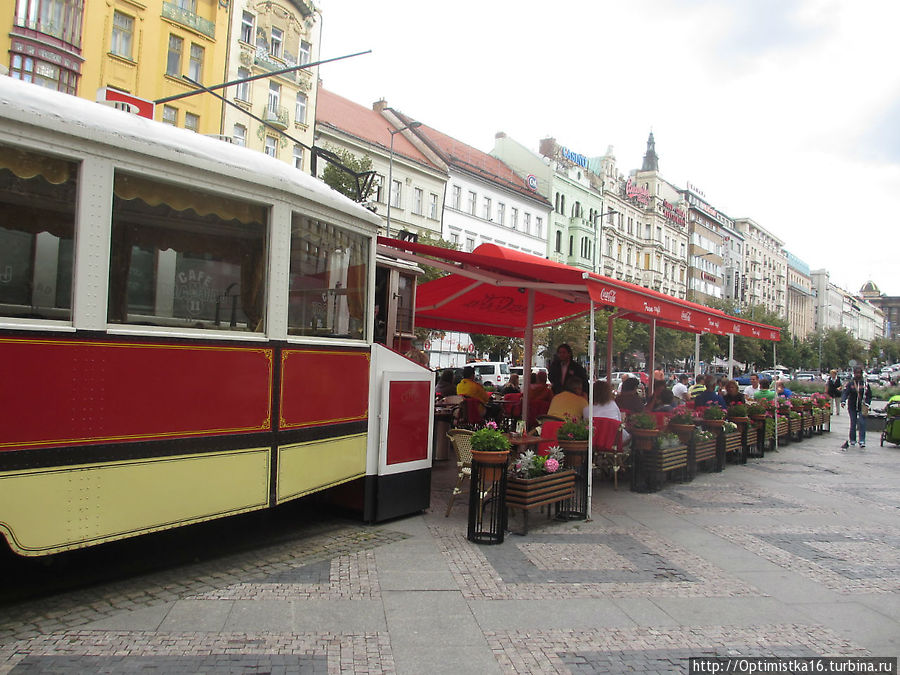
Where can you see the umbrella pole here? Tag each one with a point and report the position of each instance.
(651, 364)
(730, 356)
(590, 421)
(527, 356)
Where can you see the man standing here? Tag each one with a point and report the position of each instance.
(562, 367)
(751, 389)
(857, 396)
(834, 391)
(680, 390)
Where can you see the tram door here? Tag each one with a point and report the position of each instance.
(395, 298)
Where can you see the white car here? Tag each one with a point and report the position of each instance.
(492, 373)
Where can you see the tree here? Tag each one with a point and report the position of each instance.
(345, 183)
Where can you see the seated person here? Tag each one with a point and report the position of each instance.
(732, 393)
(538, 390)
(445, 386)
(696, 389)
(781, 390)
(666, 402)
(604, 405)
(569, 403)
(630, 400)
(511, 387)
(710, 396)
(469, 387)
(680, 390)
(764, 392)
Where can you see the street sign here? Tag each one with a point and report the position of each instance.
(122, 101)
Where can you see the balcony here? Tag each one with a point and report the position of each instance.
(188, 19)
(276, 115)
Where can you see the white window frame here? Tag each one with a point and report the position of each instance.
(305, 52)
(396, 193)
(192, 122)
(277, 43)
(488, 205)
(456, 197)
(271, 146)
(122, 42)
(170, 115)
(247, 27)
(433, 206)
(195, 65)
(300, 108)
(239, 135)
(418, 201)
(243, 89)
(274, 97)
(173, 65)
(501, 213)
(298, 157)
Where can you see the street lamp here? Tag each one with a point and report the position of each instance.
(598, 225)
(390, 185)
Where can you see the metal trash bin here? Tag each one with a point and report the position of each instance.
(487, 498)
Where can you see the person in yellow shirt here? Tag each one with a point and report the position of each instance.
(569, 404)
(469, 387)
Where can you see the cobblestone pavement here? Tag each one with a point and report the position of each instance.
(794, 554)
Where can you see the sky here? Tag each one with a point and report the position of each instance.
(783, 111)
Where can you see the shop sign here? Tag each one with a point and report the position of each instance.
(673, 214)
(639, 193)
(532, 182)
(574, 157)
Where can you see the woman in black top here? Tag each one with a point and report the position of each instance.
(732, 393)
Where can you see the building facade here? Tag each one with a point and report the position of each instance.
(417, 175)
(889, 306)
(707, 249)
(765, 267)
(264, 37)
(145, 49)
(44, 43)
(486, 201)
(800, 298)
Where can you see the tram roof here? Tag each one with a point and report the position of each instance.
(485, 292)
(57, 112)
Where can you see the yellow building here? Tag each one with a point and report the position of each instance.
(140, 48)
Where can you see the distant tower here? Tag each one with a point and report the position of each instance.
(651, 160)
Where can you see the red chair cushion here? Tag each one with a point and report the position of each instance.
(607, 435)
(548, 432)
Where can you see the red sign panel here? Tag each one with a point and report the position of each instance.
(133, 104)
(408, 418)
(76, 392)
(323, 387)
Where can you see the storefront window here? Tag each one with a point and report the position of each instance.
(37, 224)
(328, 279)
(186, 258)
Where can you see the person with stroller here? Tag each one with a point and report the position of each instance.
(857, 396)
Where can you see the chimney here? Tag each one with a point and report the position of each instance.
(500, 134)
(547, 147)
(379, 105)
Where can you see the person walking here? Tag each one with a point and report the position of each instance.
(857, 396)
(833, 386)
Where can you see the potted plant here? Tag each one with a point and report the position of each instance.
(682, 423)
(643, 430)
(704, 446)
(573, 439)
(713, 418)
(490, 446)
(756, 411)
(738, 411)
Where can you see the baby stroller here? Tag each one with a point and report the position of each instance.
(891, 432)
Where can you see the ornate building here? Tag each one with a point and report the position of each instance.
(800, 298)
(889, 306)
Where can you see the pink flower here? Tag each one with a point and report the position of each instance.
(551, 465)
(491, 425)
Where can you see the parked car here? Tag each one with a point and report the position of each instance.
(493, 374)
(520, 371)
(805, 376)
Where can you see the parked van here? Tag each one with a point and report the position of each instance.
(493, 374)
(520, 371)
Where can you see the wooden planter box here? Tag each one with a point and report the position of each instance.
(528, 493)
(704, 450)
(782, 427)
(665, 460)
(733, 442)
(796, 425)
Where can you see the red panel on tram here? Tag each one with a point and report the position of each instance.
(76, 392)
(411, 405)
(323, 387)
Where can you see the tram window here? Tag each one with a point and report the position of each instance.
(37, 222)
(186, 258)
(328, 280)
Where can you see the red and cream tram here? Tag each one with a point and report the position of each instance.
(186, 333)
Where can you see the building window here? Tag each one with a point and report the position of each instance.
(456, 197)
(418, 201)
(173, 60)
(271, 148)
(274, 98)
(277, 40)
(170, 115)
(454, 239)
(247, 28)
(379, 188)
(122, 35)
(571, 245)
(239, 135)
(433, 206)
(305, 52)
(501, 213)
(526, 223)
(473, 200)
(487, 208)
(558, 243)
(539, 226)
(195, 67)
(514, 218)
(298, 157)
(192, 122)
(300, 111)
(187, 5)
(243, 89)
(470, 244)
(395, 193)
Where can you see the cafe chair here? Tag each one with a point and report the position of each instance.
(609, 449)
(461, 440)
(549, 426)
(512, 406)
